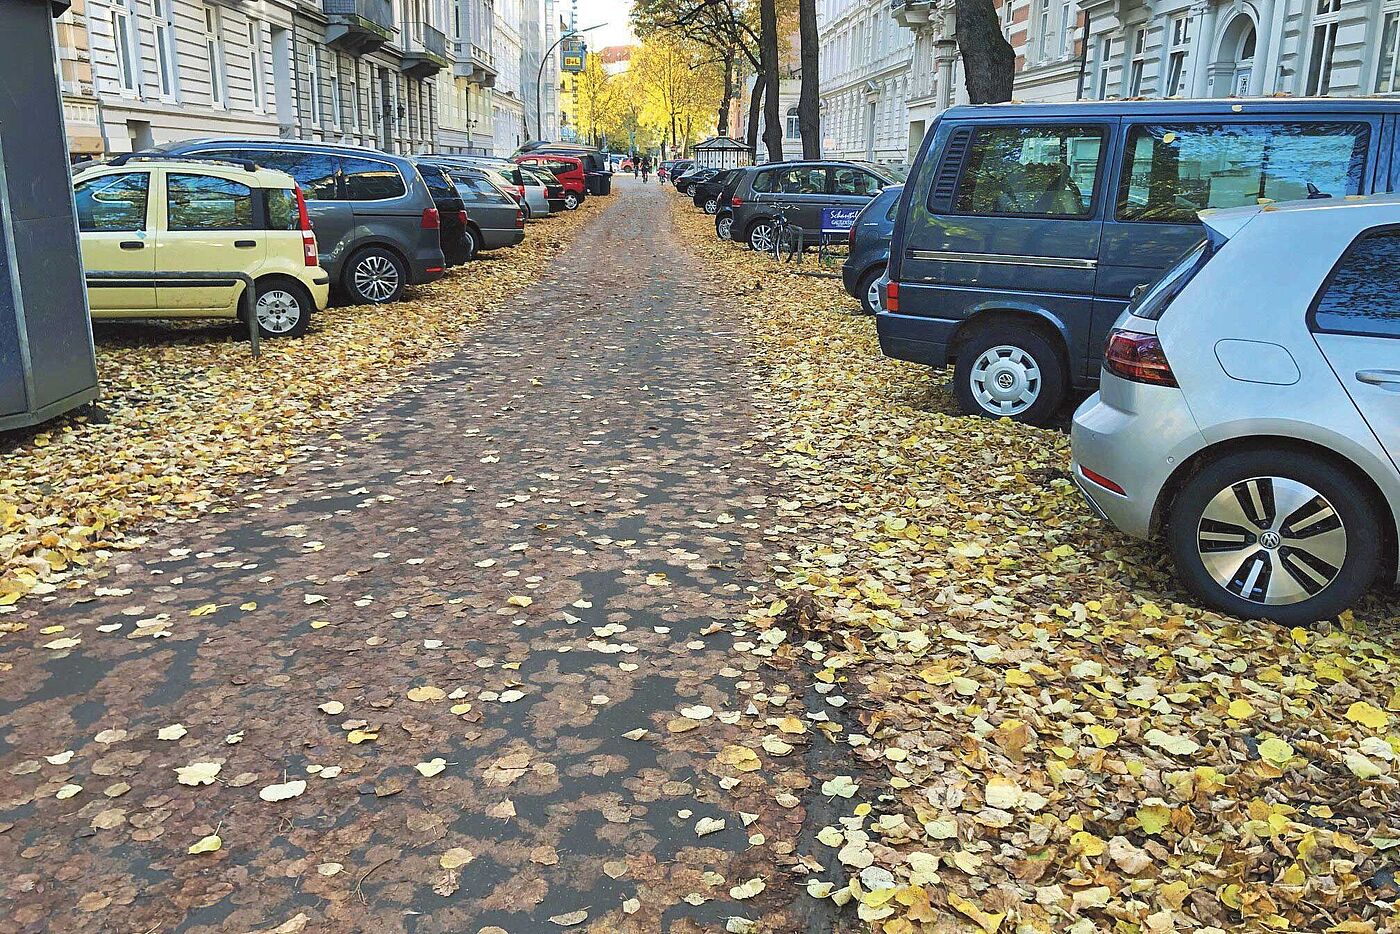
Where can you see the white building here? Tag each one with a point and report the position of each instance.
(507, 99)
(1182, 48)
(867, 80)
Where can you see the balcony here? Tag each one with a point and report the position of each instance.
(358, 26)
(475, 64)
(424, 50)
(912, 14)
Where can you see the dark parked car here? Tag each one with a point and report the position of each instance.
(1028, 226)
(554, 191)
(724, 216)
(457, 247)
(493, 219)
(675, 170)
(695, 175)
(706, 194)
(870, 248)
(375, 221)
(822, 198)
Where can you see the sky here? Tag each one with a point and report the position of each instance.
(615, 13)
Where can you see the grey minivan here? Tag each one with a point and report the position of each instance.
(375, 221)
(1026, 228)
(820, 197)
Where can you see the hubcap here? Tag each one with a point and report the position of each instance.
(278, 311)
(376, 278)
(1005, 380)
(1271, 540)
(761, 238)
(872, 295)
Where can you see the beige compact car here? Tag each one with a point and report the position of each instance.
(143, 217)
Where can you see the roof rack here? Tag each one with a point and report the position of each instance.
(124, 158)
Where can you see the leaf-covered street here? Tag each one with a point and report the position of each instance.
(620, 585)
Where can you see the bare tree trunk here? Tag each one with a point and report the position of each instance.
(809, 106)
(989, 63)
(728, 94)
(768, 41)
(755, 102)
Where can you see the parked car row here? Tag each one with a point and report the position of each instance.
(301, 219)
(1245, 351)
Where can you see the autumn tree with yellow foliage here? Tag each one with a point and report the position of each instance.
(679, 86)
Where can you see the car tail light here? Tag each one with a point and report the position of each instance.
(303, 216)
(431, 219)
(1101, 480)
(519, 219)
(310, 254)
(851, 236)
(892, 296)
(1138, 357)
(462, 218)
(520, 192)
(735, 202)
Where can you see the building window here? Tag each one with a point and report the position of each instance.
(1180, 33)
(258, 63)
(1042, 22)
(337, 95)
(1067, 18)
(1138, 63)
(313, 82)
(793, 129)
(1388, 73)
(166, 62)
(1105, 62)
(125, 41)
(1324, 43)
(214, 47)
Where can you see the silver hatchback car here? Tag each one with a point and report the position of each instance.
(1249, 410)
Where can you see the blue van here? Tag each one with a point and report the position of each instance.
(1026, 228)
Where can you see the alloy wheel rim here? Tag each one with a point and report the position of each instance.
(872, 295)
(712, 206)
(571, 201)
(1274, 541)
(278, 311)
(1006, 380)
(761, 238)
(725, 225)
(376, 278)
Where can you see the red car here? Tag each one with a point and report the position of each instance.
(570, 171)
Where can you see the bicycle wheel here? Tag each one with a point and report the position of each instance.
(789, 244)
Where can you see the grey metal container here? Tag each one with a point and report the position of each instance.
(47, 362)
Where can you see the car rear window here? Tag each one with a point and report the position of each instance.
(207, 202)
(280, 205)
(372, 180)
(1172, 171)
(436, 181)
(477, 190)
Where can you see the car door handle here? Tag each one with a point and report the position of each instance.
(1379, 377)
(132, 245)
(245, 244)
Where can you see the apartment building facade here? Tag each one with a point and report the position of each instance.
(406, 76)
(867, 80)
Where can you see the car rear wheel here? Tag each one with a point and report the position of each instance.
(870, 291)
(571, 200)
(724, 226)
(471, 243)
(762, 235)
(1281, 535)
(374, 276)
(1005, 370)
(282, 307)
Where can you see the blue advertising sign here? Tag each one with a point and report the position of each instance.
(572, 54)
(838, 220)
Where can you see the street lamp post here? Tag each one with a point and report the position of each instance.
(539, 79)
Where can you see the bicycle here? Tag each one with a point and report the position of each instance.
(787, 236)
